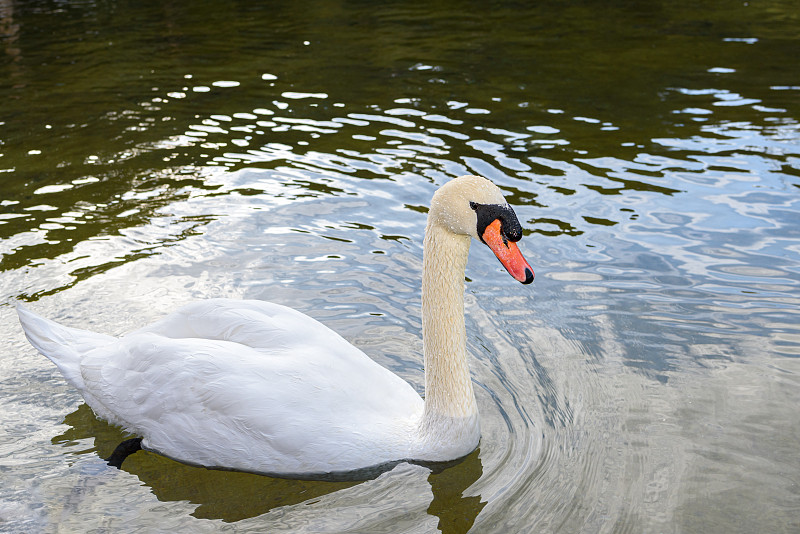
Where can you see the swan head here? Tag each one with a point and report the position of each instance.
(473, 206)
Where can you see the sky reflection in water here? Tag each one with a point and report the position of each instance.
(647, 382)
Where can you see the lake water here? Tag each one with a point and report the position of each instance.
(155, 153)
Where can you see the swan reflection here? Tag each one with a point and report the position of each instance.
(234, 496)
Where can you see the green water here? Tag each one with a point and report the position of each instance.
(154, 153)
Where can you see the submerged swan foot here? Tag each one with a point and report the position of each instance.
(123, 450)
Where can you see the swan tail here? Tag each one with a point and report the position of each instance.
(64, 346)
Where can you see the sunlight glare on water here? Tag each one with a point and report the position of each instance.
(647, 381)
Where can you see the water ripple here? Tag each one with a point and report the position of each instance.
(645, 382)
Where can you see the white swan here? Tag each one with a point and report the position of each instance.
(255, 386)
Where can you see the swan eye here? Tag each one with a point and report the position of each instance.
(510, 228)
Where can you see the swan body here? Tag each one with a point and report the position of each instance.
(256, 386)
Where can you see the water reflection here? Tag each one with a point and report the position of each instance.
(234, 496)
(456, 511)
(9, 36)
(289, 154)
(226, 495)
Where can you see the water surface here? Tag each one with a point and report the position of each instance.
(153, 153)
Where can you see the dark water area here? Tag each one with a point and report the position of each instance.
(154, 153)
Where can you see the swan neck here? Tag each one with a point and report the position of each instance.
(448, 386)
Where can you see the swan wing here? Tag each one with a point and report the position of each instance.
(264, 389)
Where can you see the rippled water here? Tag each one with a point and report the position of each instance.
(156, 153)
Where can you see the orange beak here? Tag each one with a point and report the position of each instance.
(508, 253)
